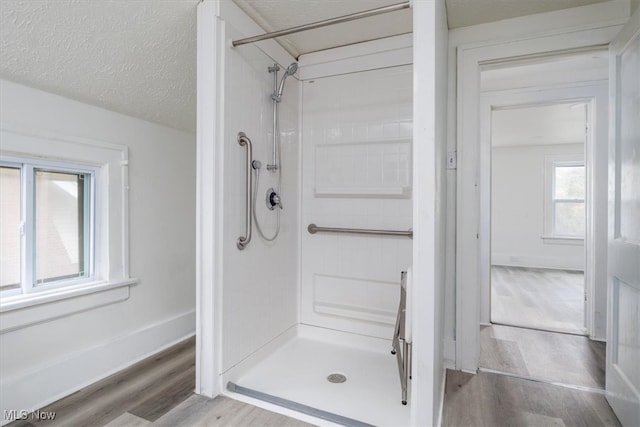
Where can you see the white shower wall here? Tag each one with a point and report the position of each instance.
(356, 172)
(260, 283)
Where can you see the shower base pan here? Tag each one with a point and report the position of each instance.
(335, 376)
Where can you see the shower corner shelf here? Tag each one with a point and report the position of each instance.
(373, 192)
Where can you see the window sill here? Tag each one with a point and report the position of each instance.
(563, 240)
(20, 311)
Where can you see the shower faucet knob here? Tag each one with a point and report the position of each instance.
(273, 199)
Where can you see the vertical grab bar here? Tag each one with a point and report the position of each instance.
(243, 241)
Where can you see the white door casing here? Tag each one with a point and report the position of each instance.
(470, 60)
(594, 93)
(623, 347)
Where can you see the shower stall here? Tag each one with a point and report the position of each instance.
(316, 154)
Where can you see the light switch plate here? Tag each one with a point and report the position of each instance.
(452, 160)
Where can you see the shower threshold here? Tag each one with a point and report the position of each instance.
(295, 406)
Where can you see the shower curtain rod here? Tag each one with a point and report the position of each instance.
(324, 23)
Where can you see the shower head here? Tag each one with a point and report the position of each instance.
(290, 71)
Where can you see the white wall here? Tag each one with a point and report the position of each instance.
(259, 283)
(44, 362)
(517, 209)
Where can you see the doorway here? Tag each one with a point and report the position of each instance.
(537, 204)
(538, 216)
(470, 180)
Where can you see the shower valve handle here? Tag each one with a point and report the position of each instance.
(273, 199)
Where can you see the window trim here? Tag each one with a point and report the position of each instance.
(111, 279)
(18, 290)
(549, 235)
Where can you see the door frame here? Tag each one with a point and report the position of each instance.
(595, 95)
(470, 59)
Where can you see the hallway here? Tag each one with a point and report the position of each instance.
(530, 378)
(548, 356)
(493, 400)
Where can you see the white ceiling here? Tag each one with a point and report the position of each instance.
(539, 125)
(462, 13)
(138, 57)
(133, 57)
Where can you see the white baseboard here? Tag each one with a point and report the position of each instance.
(537, 262)
(45, 384)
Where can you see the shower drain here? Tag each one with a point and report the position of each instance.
(336, 378)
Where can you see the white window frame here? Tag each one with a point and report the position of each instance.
(27, 167)
(551, 163)
(110, 280)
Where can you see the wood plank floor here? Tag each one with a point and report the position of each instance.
(223, 412)
(492, 400)
(158, 392)
(155, 391)
(538, 298)
(552, 356)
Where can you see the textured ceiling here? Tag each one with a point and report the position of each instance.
(137, 57)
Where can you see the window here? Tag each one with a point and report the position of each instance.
(63, 226)
(565, 206)
(47, 220)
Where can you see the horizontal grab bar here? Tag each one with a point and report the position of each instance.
(313, 229)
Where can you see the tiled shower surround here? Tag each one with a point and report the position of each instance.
(356, 173)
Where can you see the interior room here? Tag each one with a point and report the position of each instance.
(537, 281)
(276, 212)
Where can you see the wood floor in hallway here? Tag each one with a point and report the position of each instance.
(538, 298)
(550, 356)
(550, 379)
(491, 400)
